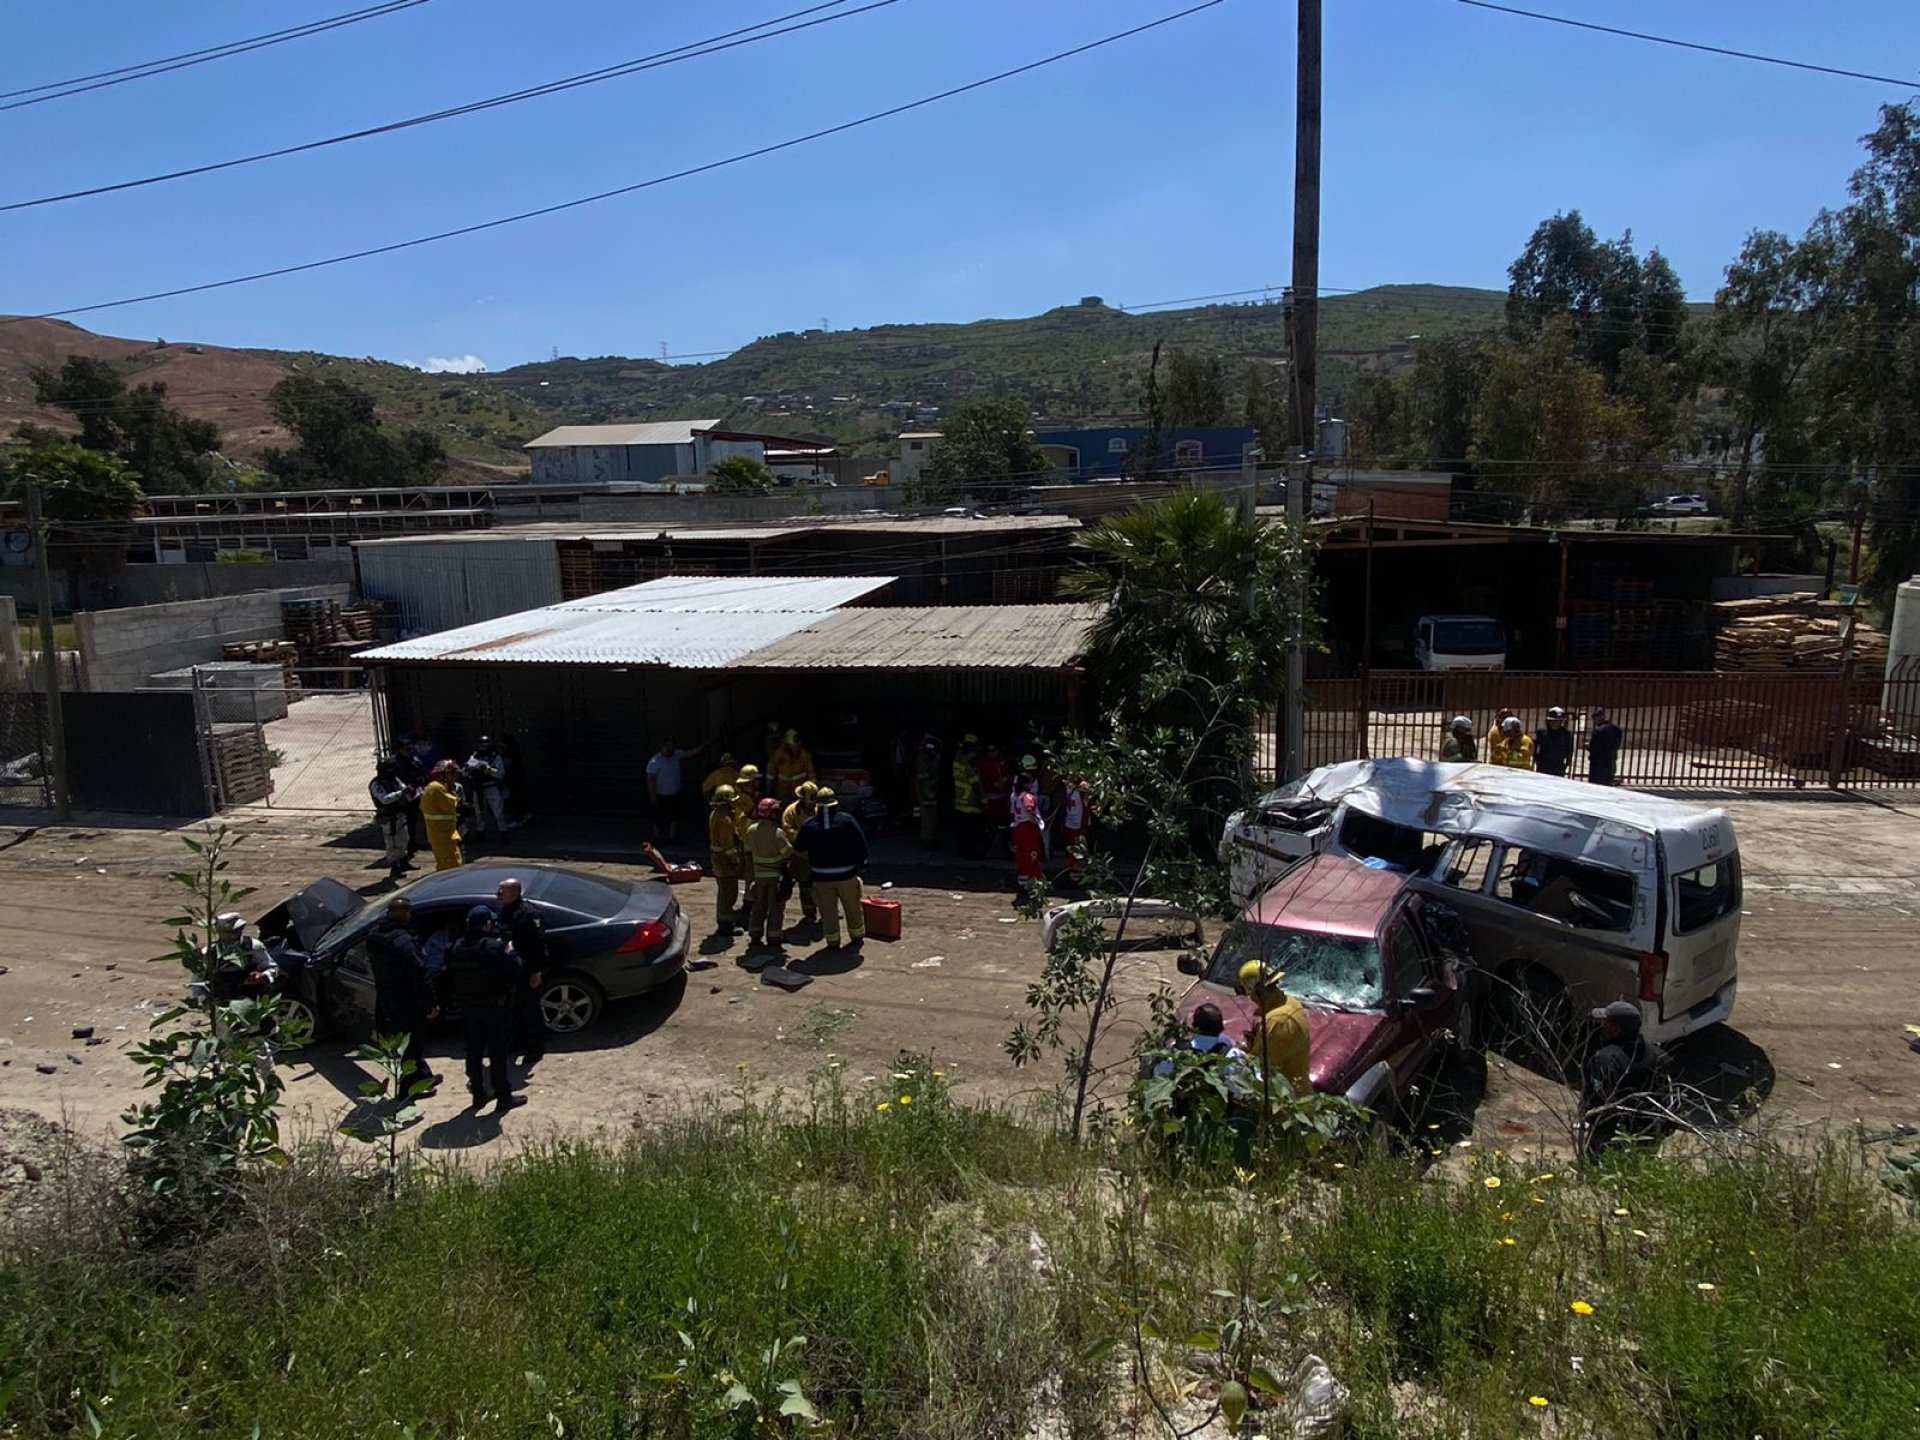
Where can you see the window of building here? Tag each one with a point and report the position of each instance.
(1187, 453)
(1117, 445)
(916, 445)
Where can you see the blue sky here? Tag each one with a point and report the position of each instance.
(1154, 169)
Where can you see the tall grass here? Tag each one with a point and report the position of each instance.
(947, 1272)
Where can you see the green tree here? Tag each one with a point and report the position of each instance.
(80, 485)
(1443, 393)
(739, 475)
(341, 443)
(1614, 301)
(1375, 409)
(1263, 404)
(1773, 319)
(1196, 390)
(170, 452)
(1549, 438)
(986, 452)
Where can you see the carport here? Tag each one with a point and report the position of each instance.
(586, 691)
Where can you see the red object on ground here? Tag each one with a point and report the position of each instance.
(673, 874)
(882, 918)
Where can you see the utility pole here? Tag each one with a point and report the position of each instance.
(1303, 346)
(1306, 226)
(43, 597)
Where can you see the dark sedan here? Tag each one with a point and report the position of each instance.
(608, 939)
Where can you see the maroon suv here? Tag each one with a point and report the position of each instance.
(1373, 956)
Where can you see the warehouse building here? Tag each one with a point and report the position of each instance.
(442, 582)
(584, 691)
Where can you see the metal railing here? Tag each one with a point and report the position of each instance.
(1743, 730)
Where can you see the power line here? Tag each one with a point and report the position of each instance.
(693, 51)
(1693, 45)
(102, 79)
(658, 180)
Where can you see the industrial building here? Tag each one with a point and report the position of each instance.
(440, 582)
(584, 691)
(658, 452)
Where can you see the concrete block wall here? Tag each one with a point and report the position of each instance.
(121, 649)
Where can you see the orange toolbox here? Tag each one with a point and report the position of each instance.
(882, 918)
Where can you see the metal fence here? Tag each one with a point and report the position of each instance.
(1751, 730)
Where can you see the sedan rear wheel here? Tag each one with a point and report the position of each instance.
(569, 1003)
(298, 1025)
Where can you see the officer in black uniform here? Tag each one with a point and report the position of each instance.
(481, 976)
(412, 772)
(1624, 1082)
(403, 998)
(528, 932)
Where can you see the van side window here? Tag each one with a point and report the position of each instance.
(1399, 847)
(1583, 896)
(1705, 895)
(1468, 867)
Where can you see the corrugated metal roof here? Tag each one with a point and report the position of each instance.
(933, 637)
(652, 432)
(684, 622)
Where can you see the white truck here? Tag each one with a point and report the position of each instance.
(1459, 642)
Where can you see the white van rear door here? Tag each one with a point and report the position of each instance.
(1700, 879)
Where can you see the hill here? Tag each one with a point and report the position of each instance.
(482, 427)
(1081, 362)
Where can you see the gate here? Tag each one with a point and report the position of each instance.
(23, 749)
(287, 738)
(1740, 730)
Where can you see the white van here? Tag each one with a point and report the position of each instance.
(1573, 895)
(1459, 642)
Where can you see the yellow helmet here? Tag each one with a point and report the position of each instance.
(724, 794)
(748, 772)
(1256, 977)
(806, 790)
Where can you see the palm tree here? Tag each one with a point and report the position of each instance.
(1177, 630)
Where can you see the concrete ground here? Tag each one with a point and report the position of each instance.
(326, 752)
(1830, 952)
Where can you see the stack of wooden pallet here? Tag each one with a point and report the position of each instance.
(240, 764)
(261, 652)
(368, 621)
(1789, 632)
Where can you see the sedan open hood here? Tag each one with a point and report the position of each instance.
(302, 919)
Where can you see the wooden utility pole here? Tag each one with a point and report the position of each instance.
(43, 597)
(1303, 345)
(1306, 227)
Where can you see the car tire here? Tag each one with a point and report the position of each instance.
(569, 1002)
(300, 1014)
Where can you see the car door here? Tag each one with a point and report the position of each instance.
(1413, 1023)
(346, 990)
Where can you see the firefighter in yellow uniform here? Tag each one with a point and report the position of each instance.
(1509, 744)
(1280, 1039)
(440, 809)
(799, 872)
(789, 767)
(746, 797)
(725, 773)
(723, 842)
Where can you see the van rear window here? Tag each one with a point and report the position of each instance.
(1703, 896)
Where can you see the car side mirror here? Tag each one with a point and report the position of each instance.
(1423, 997)
(1191, 964)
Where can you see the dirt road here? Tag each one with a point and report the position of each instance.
(1830, 954)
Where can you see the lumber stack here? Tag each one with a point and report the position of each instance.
(1789, 632)
(240, 764)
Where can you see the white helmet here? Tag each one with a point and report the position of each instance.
(231, 923)
(1460, 725)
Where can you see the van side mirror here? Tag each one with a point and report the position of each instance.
(1191, 964)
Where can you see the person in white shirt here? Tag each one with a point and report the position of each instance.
(667, 787)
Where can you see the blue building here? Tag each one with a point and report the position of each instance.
(1107, 452)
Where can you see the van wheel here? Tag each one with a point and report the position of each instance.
(1547, 1016)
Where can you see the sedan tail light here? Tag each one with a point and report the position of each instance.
(645, 936)
(1653, 977)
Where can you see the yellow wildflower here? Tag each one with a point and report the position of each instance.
(906, 1099)
(883, 1107)
(1581, 1307)
(1492, 1182)
(1539, 1402)
(1508, 1240)
(1545, 1179)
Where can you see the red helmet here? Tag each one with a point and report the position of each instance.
(444, 768)
(768, 809)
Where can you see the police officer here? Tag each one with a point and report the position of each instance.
(1621, 1089)
(1553, 744)
(392, 809)
(481, 975)
(403, 998)
(528, 932)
